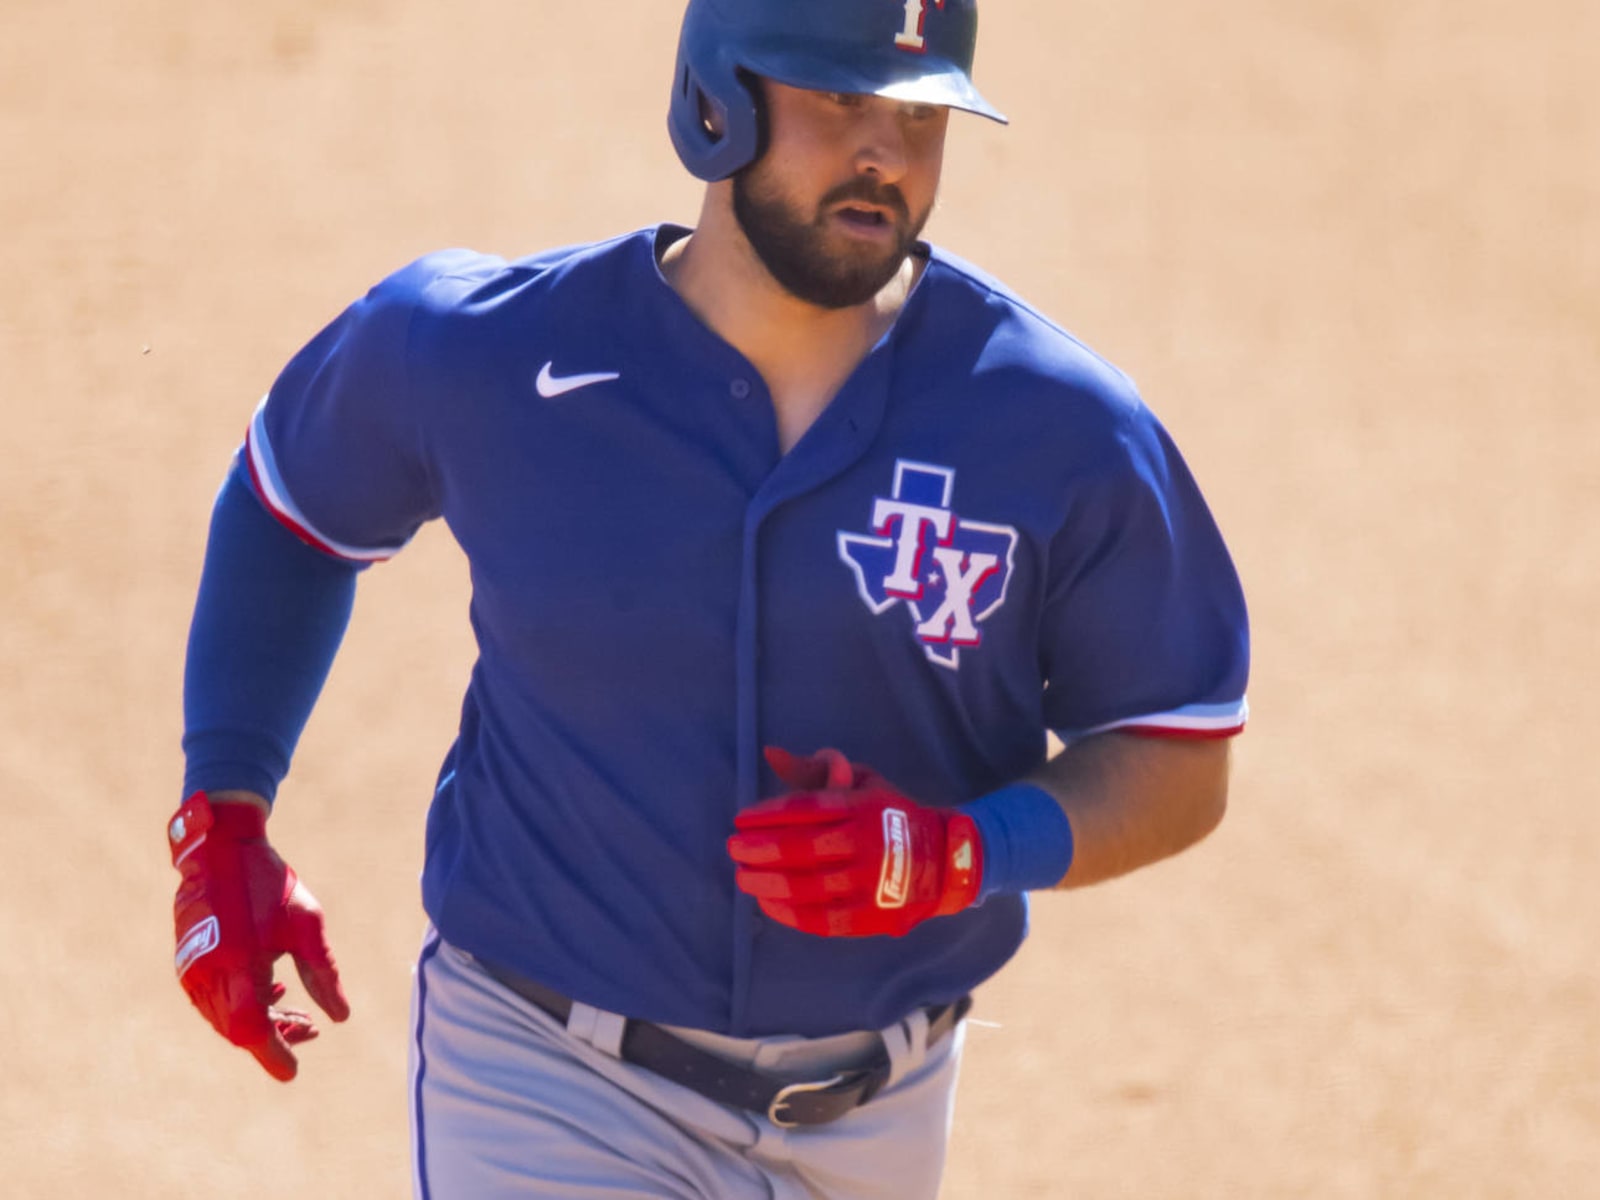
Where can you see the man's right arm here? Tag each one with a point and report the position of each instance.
(268, 620)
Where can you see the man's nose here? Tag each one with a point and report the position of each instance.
(883, 150)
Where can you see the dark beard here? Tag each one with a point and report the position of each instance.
(793, 250)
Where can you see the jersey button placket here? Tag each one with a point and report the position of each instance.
(739, 389)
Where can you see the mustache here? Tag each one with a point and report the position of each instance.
(869, 191)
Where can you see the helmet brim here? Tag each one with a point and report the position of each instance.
(925, 79)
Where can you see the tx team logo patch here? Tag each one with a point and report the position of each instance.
(950, 572)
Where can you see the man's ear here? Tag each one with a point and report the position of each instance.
(756, 86)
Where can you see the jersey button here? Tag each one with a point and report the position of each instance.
(740, 389)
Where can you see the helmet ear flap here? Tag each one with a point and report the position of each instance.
(715, 118)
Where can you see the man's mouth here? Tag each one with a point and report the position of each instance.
(863, 217)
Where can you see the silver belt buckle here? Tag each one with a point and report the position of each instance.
(781, 1100)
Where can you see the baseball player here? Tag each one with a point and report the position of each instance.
(791, 537)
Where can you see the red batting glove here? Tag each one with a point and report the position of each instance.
(239, 908)
(846, 855)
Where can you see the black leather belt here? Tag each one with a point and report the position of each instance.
(784, 1103)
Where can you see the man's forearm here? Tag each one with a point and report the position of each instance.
(267, 623)
(1135, 800)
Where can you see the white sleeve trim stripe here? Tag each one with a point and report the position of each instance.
(264, 472)
(1207, 719)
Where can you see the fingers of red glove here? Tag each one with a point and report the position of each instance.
(229, 996)
(799, 808)
(322, 985)
(292, 1026)
(803, 846)
(827, 768)
(306, 941)
(251, 1026)
(807, 920)
(851, 882)
(273, 1053)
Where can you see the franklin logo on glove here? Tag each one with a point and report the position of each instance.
(896, 858)
(202, 939)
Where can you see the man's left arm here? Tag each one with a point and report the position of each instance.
(848, 855)
(1132, 800)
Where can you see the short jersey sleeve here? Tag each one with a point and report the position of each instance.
(336, 450)
(1145, 627)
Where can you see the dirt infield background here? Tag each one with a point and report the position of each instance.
(1349, 248)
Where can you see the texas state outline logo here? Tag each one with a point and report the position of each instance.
(949, 572)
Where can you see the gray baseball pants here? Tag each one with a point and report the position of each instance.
(507, 1102)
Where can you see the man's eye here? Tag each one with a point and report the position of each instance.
(845, 99)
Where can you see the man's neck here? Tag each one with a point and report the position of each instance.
(795, 345)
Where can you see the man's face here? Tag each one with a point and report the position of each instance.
(843, 191)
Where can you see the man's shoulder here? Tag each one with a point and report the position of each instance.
(465, 282)
(1018, 349)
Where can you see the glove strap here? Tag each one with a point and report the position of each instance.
(963, 865)
(196, 818)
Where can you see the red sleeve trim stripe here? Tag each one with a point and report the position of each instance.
(1195, 721)
(268, 485)
(1185, 735)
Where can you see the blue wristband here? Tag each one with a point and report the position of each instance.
(1027, 839)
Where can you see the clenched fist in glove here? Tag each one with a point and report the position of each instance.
(239, 908)
(846, 855)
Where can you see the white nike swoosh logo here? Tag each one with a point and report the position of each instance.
(550, 386)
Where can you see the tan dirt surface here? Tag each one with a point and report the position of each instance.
(1349, 248)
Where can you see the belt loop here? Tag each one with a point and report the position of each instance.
(608, 1030)
(580, 1021)
(601, 1029)
(907, 1044)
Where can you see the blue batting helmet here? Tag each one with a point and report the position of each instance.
(914, 50)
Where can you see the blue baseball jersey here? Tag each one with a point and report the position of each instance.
(985, 536)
